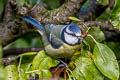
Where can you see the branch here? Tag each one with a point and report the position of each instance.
(103, 25)
(111, 34)
(12, 30)
(20, 51)
(59, 15)
(8, 60)
(8, 12)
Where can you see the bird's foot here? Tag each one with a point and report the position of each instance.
(63, 63)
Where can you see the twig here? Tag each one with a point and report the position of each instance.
(8, 13)
(8, 60)
(111, 34)
(103, 25)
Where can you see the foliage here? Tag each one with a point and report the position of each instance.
(2, 74)
(2, 7)
(95, 61)
(115, 15)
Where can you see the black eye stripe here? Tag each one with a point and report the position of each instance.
(72, 34)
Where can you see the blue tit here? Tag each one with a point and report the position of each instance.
(60, 41)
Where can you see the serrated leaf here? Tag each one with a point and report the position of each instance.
(11, 72)
(74, 19)
(115, 15)
(105, 61)
(86, 70)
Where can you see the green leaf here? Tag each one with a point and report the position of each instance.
(2, 7)
(97, 34)
(105, 61)
(20, 2)
(11, 72)
(20, 43)
(36, 42)
(43, 62)
(103, 2)
(22, 75)
(86, 70)
(115, 46)
(45, 74)
(32, 3)
(28, 54)
(115, 15)
(27, 59)
(1, 50)
(74, 19)
(51, 4)
(2, 75)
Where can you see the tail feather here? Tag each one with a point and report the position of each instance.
(34, 22)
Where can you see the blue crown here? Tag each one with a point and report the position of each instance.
(74, 28)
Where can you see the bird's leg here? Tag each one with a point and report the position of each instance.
(63, 63)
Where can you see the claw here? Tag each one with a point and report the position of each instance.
(63, 63)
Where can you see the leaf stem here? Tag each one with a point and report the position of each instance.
(92, 38)
(19, 65)
(32, 71)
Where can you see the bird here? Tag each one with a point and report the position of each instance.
(60, 41)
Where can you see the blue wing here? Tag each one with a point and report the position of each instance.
(34, 22)
(55, 41)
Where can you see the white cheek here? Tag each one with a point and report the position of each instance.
(67, 30)
(70, 39)
(78, 34)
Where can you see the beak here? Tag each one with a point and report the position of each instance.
(84, 35)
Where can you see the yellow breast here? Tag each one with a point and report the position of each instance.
(64, 51)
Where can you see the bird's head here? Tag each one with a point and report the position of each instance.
(71, 34)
